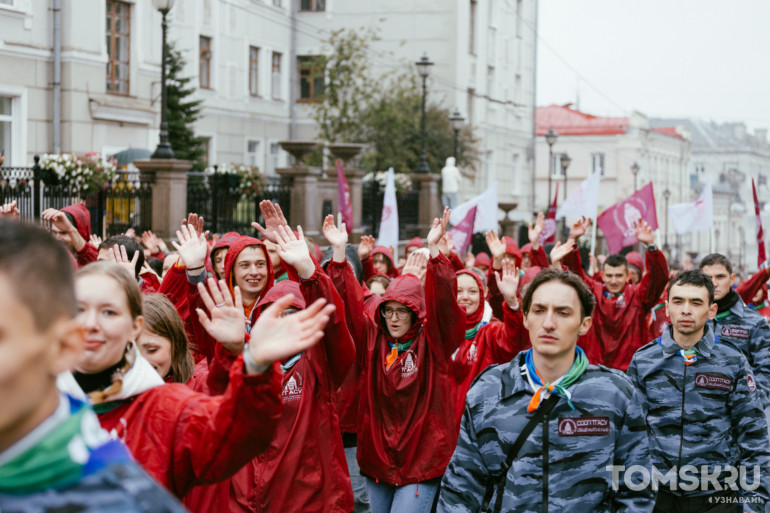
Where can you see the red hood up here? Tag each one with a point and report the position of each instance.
(235, 249)
(511, 248)
(281, 289)
(82, 219)
(407, 289)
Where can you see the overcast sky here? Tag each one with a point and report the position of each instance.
(707, 59)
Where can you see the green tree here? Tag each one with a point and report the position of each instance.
(182, 112)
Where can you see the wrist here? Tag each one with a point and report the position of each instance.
(253, 367)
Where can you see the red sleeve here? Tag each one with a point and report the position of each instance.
(511, 336)
(353, 305)
(150, 283)
(334, 355)
(369, 269)
(159, 255)
(494, 297)
(654, 280)
(747, 289)
(88, 254)
(457, 264)
(216, 436)
(445, 320)
(219, 370)
(573, 263)
(539, 258)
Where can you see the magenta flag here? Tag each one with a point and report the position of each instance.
(462, 233)
(344, 206)
(761, 252)
(617, 222)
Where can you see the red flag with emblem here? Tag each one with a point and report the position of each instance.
(761, 251)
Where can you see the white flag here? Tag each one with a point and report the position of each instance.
(389, 221)
(583, 201)
(695, 216)
(486, 213)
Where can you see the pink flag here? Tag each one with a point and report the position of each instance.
(548, 235)
(344, 206)
(761, 252)
(462, 233)
(617, 222)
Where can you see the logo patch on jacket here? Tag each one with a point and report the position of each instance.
(713, 381)
(735, 332)
(292, 388)
(751, 382)
(584, 426)
(410, 366)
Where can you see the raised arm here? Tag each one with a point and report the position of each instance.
(497, 250)
(538, 258)
(748, 289)
(655, 279)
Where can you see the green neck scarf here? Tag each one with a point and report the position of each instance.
(472, 332)
(579, 366)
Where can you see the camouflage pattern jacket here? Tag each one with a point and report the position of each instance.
(562, 466)
(705, 414)
(745, 329)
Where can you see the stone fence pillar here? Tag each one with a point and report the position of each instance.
(306, 203)
(169, 193)
(430, 206)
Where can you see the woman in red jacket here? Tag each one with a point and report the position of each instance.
(406, 428)
(182, 438)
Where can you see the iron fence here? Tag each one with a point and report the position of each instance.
(408, 209)
(219, 199)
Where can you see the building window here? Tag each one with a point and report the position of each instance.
(206, 143)
(6, 129)
(253, 71)
(556, 170)
(204, 72)
(490, 81)
(252, 152)
(469, 107)
(519, 15)
(276, 76)
(312, 5)
(6, 2)
(597, 163)
(310, 70)
(272, 163)
(118, 46)
(472, 29)
(277, 3)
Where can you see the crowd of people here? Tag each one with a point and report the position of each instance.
(240, 373)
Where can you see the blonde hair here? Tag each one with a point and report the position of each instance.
(162, 319)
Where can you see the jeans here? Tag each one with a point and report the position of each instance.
(358, 481)
(449, 199)
(387, 498)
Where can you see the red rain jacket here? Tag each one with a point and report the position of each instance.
(538, 258)
(620, 323)
(368, 263)
(406, 429)
(82, 216)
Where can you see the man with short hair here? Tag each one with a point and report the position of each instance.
(596, 421)
(702, 408)
(738, 325)
(54, 456)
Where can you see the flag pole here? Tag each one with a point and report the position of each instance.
(593, 240)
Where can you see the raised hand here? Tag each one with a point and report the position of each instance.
(337, 237)
(366, 246)
(559, 251)
(283, 337)
(95, 240)
(496, 248)
(443, 244)
(150, 241)
(226, 324)
(273, 216)
(437, 231)
(416, 264)
(10, 211)
(196, 223)
(294, 251)
(508, 283)
(579, 228)
(59, 221)
(534, 232)
(118, 255)
(192, 248)
(644, 233)
(147, 269)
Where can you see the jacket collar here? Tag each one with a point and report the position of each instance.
(703, 346)
(512, 379)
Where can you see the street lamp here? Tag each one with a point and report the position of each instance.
(666, 195)
(423, 68)
(163, 151)
(635, 170)
(565, 162)
(550, 138)
(456, 120)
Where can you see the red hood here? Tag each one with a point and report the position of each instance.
(635, 258)
(407, 290)
(529, 275)
(482, 259)
(382, 250)
(224, 242)
(236, 247)
(82, 219)
(511, 248)
(526, 248)
(415, 242)
(279, 290)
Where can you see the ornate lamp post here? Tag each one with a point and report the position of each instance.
(565, 162)
(163, 151)
(635, 171)
(423, 68)
(666, 196)
(550, 138)
(456, 120)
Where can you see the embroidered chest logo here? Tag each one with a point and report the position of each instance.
(292, 388)
(119, 431)
(409, 367)
(621, 302)
(584, 426)
(472, 353)
(735, 332)
(713, 381)
(752, 384)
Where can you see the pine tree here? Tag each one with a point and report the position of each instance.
(182, 112)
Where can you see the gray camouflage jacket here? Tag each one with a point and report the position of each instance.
(564, 461)
(706, 414)
(745, 329)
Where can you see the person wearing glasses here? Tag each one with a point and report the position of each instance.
(406, 428)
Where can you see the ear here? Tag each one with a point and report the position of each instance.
(713, 311)
(137, 328)
(732, 279)
(526, 322)
(585, 325)
(66, 338)
(668, 314)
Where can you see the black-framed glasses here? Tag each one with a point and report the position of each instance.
(401, 313)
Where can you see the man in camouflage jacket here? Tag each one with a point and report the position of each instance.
(704, 414)
(596, 423)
